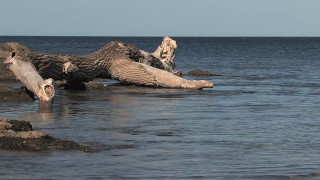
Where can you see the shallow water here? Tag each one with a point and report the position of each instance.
(260, 121)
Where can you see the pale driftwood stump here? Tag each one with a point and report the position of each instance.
(24, 71)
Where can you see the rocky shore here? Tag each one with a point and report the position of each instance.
(19, 135)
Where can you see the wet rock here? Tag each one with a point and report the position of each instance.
(19, 135)
(59, 84)
(91, 85)
(10, 94)
(19, 126)
(199, 73)
(94, 85)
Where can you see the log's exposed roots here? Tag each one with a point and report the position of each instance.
(24, 71)
(166, 53)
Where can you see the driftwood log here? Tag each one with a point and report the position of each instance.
(24, 71)
(116, 60)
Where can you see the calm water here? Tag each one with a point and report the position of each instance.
(260, 121)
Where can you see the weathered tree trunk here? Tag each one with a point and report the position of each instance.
(166, 53)
(73, 69)
(24, 71)
(119, 61)
(131, 72)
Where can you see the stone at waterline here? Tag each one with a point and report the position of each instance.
(199, 73)
(19, 135)
(10, 94)
(91, 85)
(94, 85)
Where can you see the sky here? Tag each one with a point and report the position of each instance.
(160, 18)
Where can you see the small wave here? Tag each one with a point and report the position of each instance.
(232, 92)
(269, 77)
(284, 177)
(108, 147)
(169, 133)
(170, 96)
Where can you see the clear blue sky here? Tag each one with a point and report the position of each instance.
(160, 17)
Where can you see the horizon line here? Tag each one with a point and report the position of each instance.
(156, 36)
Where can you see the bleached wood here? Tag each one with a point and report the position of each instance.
(24, 71)
(128, 71)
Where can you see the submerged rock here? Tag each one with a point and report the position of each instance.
(19, 135)
(10, 94)
(199, 73)
(91, 85)
(94, 85)
(59, 84)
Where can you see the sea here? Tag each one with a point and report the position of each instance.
(260, 121)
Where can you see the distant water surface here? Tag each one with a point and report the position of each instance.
(260, 121)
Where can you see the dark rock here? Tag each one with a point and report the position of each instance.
(199, 73)
(91, 85)
(37, 144)
(59, 84)
(18, 126)
(94, 85)
(10, 94)
(18, 135)
(5, 73)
